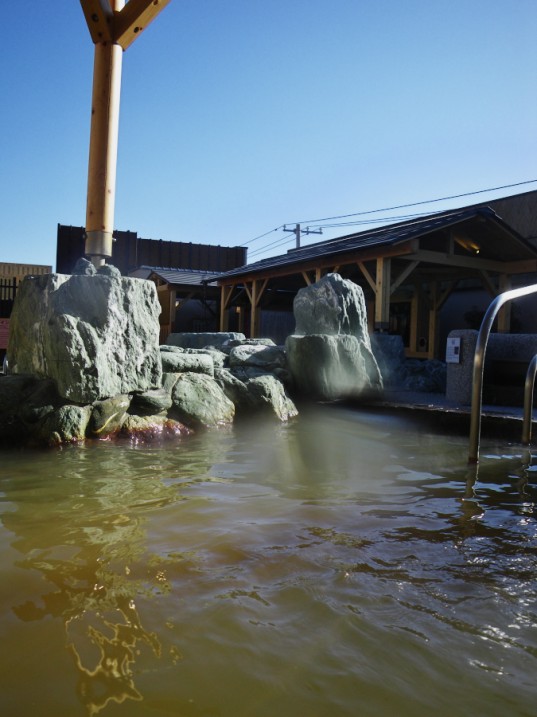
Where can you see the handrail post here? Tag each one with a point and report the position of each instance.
(479, 363)
(529, 385)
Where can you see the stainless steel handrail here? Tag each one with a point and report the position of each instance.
(529, 385)
(479, 363)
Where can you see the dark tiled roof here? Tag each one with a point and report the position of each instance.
(185, 277)
(389, 235)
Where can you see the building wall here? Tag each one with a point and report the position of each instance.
(129, 252)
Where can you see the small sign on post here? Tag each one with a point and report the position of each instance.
(453, 350)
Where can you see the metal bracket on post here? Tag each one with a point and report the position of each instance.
(98, 246)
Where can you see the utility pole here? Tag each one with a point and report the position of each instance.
(297, 231)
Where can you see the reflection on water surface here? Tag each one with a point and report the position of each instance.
(346, 564)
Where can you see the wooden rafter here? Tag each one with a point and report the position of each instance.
(99, 18)
(135, 17)
(403, 275)
(120, 27)
(372, 283)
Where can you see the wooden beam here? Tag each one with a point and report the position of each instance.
(403, 275)
(402, 250)
(476, 263)
(372, 283)
(444, 296)
(306, 278)
(225, 297)
(135, 17)
(487, 283)
(99, 17)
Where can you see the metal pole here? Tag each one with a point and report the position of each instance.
(479, 363)
(529, 385)
(103, 148)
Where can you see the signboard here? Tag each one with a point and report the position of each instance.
(4, 333)
(453, 350)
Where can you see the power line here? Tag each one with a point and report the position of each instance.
(318, 222)
(416, 204)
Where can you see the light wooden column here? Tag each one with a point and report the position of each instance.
(103, 148)
(225, 297)
(382, 294)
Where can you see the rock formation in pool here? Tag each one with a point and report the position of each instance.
(329, 355)
(85, 362)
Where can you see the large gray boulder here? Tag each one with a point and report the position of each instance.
(95, 336)
(329, 356)
(198, 401)
(331, 306)
(331, 367)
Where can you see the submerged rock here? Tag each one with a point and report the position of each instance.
(66, 424)
(268, 396)
(147, 428)
(107, 416)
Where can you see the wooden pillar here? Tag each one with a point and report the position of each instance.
(225, 297)
(382, 294)
(431, 337)
(254, 314)
(240, 319)
(504, 315)
(413, 340)
(103, 148)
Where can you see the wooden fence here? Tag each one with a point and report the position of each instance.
(8, 290)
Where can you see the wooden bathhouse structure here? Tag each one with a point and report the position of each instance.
(407, 270)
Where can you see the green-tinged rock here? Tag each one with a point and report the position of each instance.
(65, 424)
(331, 367)
(269, 397)
(183, 362)
(219, 357)
(148, 428)
(151, 402)
(107, 416)
(13, 392)
(96, 336)
(199, 401)
(258, 356)
(332, 306)
(168, 381)
(39, 402)
(203, 339)
(235, 389)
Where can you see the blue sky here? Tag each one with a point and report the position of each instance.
(240, 116)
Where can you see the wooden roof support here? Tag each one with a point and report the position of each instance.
(382, 294)
(372, 283)
(487, 283)
(113, 26)
(225, 297)
(103, 150)
(135, 17)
